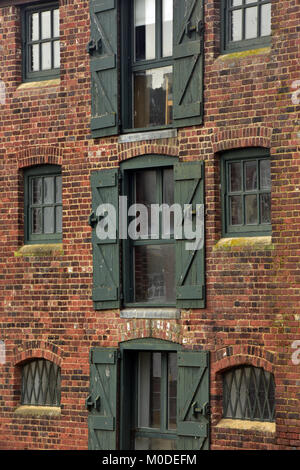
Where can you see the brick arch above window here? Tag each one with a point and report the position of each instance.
(149, 149)
(252, 136)
(38, 350)
(40, 155)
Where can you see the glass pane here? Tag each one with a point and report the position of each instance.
(58, 193)
(56, 23)
(172, 391)
(236, 3)
(46, 55)
(167, 28)
(251, 209)
(265, 174)
(58, 219)
(251, 23)
(145, 443)
(154, 274)
(145, 193)
(49, 190)
(236, 217)
(250, 176)
(168, 198)
(48, 219)
(236, 25)
(265, 208)
(56, 54)
(265, 20)
(144, 24)
(36, 190)
(235, 176)
(149, 384)
(35, 27)
(153, 97)
(35, 58)
(36, 217)
(46, 24)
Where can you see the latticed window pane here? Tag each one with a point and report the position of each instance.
(40, 383)
(249, 393)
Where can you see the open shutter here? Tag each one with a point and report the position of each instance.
(188, 39)
(103, 65)
(190, 263)
(102, 400)
(193, 407)
(106, 292)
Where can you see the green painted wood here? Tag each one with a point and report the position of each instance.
(192, 400)
(190, 264)
(103, 67)
(188, 35)
(102, 399)
(106, 295)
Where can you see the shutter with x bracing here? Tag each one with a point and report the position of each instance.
(193, 408)
(188, 41)
(105, 208)
(102, 48)
(190, 246)
(102, 400)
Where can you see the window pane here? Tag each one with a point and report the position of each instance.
(251, 23)
(58, 219)
(168, 198)
(236, 25)
(46, 55)
(265, 208)
(265, 21)
(46, 24)
(49, 220)
(154, 274)
(56, 54)
(146, 443)
(145, 193)
(58, 196)
(167, 28)
(265, 174)
(35, 58)
(251, 209)
(153, 100)
(172, 391)
(35, 27)
(36, 190)
(250, 176)
(236, 3)
(56, 23)
(49, 190)
(235, 176)
(36, 217)
(149, 386)
(236, 217)
(144, 23)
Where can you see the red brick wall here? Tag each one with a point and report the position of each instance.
(253, 295)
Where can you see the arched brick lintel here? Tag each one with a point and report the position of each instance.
(38, 350)
(39, 155)
(255, 136)
(229, 357)
(148, 149)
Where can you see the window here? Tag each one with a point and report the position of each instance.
(43, 204)
(249, 394)
(41, 44)
(246, 24)
(40, 383)
(246, 192)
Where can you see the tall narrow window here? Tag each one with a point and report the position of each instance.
(41, 43)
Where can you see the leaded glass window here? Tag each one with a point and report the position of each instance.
(249, 394)
(40, 383)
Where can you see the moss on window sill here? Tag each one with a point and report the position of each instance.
(242, 54)
(40, 250)
(37, 411)
(39, 84)
(240, 424)
(248, 243)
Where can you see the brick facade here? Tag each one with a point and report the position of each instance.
(252, 313)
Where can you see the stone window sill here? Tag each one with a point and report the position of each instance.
(40, 84)
(40, 250)
(247, 243)
(242, 54)
(37, 411)
(151, 313)
(240, 424)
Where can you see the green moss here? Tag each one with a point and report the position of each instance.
(38, 411)
(40, 250)
(247, 53)
(251, 243)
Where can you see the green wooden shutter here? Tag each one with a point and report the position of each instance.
(102, 400)
(188, 39)
(193, 407)
(106, 291)
(190, 265)
(104, 69)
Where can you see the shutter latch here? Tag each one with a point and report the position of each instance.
(94, 46)
(198, 27)
(203, 410)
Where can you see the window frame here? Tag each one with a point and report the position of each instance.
(37, 378)
(29, 174)
(228, 46)
(243, 155)
(26, 11)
